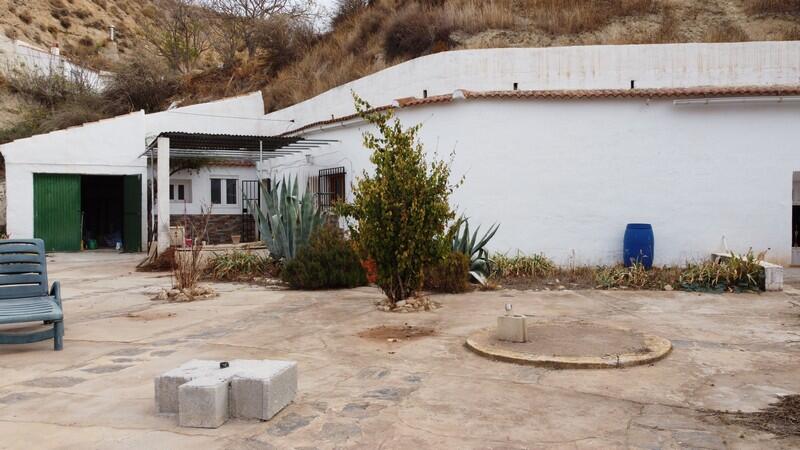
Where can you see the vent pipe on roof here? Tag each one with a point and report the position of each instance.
(112, 33)
(424, 93)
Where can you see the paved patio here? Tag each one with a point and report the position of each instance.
(731, 352)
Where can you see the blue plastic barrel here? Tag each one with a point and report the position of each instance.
(638, 245)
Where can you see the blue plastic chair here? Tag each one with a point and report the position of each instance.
(23, 292)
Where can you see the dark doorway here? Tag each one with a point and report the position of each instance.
(102, 209)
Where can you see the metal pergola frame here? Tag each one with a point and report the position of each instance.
(253, 148)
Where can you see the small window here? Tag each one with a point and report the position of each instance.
(230, 191)
(224, 189)
(180, 191)
(216, 191)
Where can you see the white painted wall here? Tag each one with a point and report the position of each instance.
(201, 189)
(236, 115)
(107, 147)
(585, 67)
(568, 176)
(16, 54)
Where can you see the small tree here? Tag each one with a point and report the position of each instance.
(401, 211)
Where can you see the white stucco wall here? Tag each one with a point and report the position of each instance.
(583, 67)
(236, 115)
(567, 176)
(201, 189)
(107, 147)
(16, 54)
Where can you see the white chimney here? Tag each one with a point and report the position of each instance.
(112, 33)
(55, 51)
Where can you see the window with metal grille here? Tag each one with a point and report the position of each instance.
(330, 187)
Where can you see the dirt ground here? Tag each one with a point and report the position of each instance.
(731, 352)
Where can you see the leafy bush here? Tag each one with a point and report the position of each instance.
(401, 209)
(520, 265)
(327, 262)
(450, 274)
(473, 248)
(237, 265)
(736, 274)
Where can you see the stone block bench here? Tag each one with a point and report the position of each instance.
(205, 395)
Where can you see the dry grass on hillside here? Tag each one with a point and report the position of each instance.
(368, 39)
(79, 27)
(772, 6)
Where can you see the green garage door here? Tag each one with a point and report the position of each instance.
(57, 211)
(132, 207)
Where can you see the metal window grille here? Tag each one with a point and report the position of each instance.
(330, 187)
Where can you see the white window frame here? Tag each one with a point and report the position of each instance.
(223, 190)
(187, 191)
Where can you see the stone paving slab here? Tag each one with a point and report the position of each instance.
(730, 352)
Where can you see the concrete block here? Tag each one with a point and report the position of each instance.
(260, 389)
(773, 277)
(205, 395)
(512, 328)
(167, 384)
(203, 402)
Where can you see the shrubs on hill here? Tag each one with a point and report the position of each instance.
(449, 275)
(327, 262)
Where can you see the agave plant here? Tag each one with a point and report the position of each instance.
(474, 248)
(285, 219)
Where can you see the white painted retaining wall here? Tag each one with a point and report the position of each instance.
(583, 67)
(16, 54)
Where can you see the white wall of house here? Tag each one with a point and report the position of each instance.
(113, 147)
(565, 177)
(106, 147)
(583, 67)
(236, 115)
(200, 182)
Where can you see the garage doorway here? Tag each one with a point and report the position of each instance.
(76, 212)
(796, 218)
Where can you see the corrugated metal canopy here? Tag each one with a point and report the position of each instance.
(232, 146)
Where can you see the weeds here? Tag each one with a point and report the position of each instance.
(520, 265)
(237, 266)
(736, 274)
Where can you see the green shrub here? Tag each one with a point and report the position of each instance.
(635, 277)
(736, 274)
(237, 265)
(449, 275)
(327, 262)
(401, 209)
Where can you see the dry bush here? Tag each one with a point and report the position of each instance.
(346, 9)
(772, 6)
(25, 17)
(413, 32)
(725, 32)
(141, 83)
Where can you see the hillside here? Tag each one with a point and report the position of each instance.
(293, 62)
(370, 36)
(79, 27)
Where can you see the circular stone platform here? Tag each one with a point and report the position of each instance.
(573, 345)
